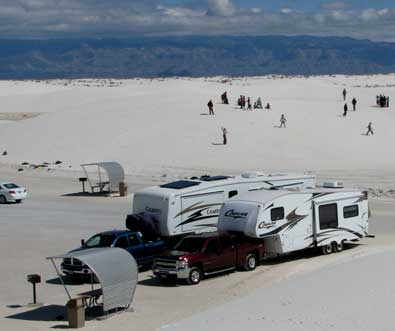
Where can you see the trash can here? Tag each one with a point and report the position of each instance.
(76, 313)
(123, 189)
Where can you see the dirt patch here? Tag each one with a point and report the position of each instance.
(17, 116)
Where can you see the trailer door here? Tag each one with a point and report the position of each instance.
(200, 212)
(325, 217)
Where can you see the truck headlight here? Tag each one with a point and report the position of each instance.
(182, 264)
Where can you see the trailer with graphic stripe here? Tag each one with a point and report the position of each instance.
(192, 205)
(290, 220)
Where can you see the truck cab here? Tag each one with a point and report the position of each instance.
(143, 251)
(206, 254)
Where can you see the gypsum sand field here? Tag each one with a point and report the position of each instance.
(158, 128)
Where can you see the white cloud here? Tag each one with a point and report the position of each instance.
(122, 18)
(286, 10)
(335, 5)
(256, 10)
(220, 8)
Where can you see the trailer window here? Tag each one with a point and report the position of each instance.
(232, 194)
(350, 211)
(328, 216)
(277, 214)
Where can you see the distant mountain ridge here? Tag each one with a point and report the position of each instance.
(193, 56)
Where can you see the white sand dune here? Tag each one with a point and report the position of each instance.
(158, 126)
(357, 295)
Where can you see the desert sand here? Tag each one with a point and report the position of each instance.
(159, 130)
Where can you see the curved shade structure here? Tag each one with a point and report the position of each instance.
(116, 271)
(114, 171)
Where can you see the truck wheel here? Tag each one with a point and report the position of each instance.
(195, 276)
(3, 199)
(251, 262)
(338, 247)
(327, 249)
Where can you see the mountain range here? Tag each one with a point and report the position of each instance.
(192, 56)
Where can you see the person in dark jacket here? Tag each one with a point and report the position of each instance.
(344, 94)
(283, 121)
(224, 135)
(354, 103)
(370, 130)
(210, 107)
(224, 98)
(345, 109)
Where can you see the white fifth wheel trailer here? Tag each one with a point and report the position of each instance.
(292, 220)
(191, 206)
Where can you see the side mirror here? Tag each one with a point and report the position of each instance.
(82, 242)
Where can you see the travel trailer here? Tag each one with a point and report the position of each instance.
(291, 220)
(193, 205)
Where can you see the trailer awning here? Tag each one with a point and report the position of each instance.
(115, 269)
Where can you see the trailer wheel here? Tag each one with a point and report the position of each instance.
(327, 249)
(251, 262)
(195, 276)
(338, 247)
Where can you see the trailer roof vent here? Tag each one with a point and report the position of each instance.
(333, 184)
(251, 174)
(180, 184)
(206, 178)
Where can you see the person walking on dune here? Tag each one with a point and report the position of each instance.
(224, 135)
(370, 130)
(283, 121)
(210, 107)
(354, 103)
(344, 94)
(345, 110)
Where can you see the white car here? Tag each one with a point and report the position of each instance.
(10, 192)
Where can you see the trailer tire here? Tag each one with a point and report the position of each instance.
(327, 249)
(251, 262)
(195, 276)
(338, 247)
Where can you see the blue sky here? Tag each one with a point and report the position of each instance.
(374, 19)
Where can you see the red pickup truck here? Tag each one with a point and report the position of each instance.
(204, 254)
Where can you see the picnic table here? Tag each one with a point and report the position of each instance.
(91, 298)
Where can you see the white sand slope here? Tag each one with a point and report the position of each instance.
(156, 126)
(357, 295)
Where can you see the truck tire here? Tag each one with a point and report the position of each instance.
(338, 247)
(251, 262)
(3, 199)
(327, 249)
(195, 276)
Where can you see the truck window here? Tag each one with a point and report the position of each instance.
(212, 247)
(134, 240)
(100, 240)
(350, 211)
(191, 244)
(328, 216)
(232, 193)
(277, 214)
(226, 242)
(122, 242)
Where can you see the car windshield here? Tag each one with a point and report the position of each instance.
(100, 240)
(10, 185)
(190, 245)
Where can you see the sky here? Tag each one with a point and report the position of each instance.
(374, 19)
